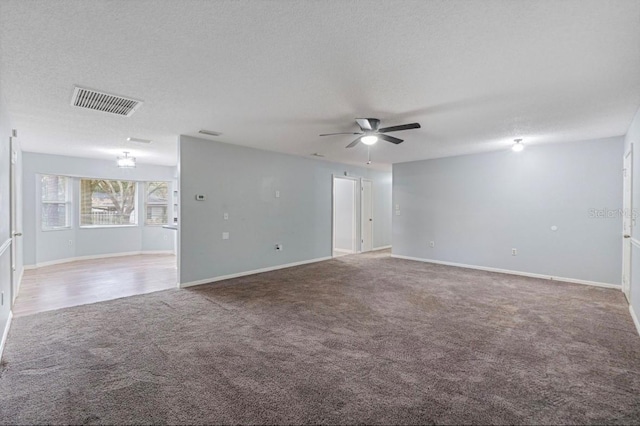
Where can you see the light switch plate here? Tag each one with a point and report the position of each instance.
(226, 216)
(277, 194)
(225, 235)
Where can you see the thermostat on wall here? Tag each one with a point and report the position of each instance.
(200, 197)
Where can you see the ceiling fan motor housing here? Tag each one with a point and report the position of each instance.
(375, 124)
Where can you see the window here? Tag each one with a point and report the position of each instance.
(107, 202)
(156, 204)
(55, 202)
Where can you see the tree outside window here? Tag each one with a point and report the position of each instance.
(107, 202)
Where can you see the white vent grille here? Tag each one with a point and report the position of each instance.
(100, 101)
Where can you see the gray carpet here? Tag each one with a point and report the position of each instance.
(359, 339)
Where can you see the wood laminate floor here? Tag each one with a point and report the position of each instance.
(90, 281)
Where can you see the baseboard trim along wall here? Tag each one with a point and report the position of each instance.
(95, 256)
(5, 333)
(253, 272)
(634, 317)
(507, 271)
(380, 248)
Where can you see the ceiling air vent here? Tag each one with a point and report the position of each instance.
(100, 101)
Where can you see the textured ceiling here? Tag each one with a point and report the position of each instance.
(275, 74)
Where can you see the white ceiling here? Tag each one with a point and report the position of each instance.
(275, 74)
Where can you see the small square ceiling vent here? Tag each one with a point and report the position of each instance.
(100, 101)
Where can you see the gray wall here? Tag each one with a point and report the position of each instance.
(345, 211)
(633, 138)
(476, 208)
(242, 182)
(47, 246)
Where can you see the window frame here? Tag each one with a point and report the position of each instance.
(166, 205)
(68, 203)
(135, 208)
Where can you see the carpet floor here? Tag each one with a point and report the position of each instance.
(359, 339)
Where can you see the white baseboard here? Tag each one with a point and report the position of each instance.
(507, 271)
(255, 271)
(634, 317)
(15, 296)
(381, 248)
(5, 333)
(95, 256)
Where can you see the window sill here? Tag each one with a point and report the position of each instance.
(66, 228)
(106, 226)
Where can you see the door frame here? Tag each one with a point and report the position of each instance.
(13, 219)
(627, 240)
(362, 218)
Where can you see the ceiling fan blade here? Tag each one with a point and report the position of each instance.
(354, 143)
(349, 133)
(364, 123)
(390, 139)
(401, 127)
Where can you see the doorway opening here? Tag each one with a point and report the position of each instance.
(345, 214)
(352, 230)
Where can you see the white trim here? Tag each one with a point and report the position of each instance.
(255, 271)
(381, 248)
(15, 296)
(5, 246)
(634, 317)
(5, 333)
(95, 256)
(507, 271)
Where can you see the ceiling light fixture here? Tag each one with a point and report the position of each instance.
(517, 146)
(369, 140)
(126, 162)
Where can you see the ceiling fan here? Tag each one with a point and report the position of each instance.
(371, 132)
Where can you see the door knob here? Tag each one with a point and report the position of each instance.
(17, 234)
(627, 236)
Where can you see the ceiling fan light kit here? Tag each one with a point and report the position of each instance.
(517, 146)
(369, 140)
(370, 132)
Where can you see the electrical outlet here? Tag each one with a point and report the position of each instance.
(514, 252)
(278, 247)
(226, 216)
(432, 244)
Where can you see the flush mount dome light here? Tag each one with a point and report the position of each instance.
(517, 146)
(369, 140)
(126, 162)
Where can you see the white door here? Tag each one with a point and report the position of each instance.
(627, 224)
(13, 211)
(367, 215)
